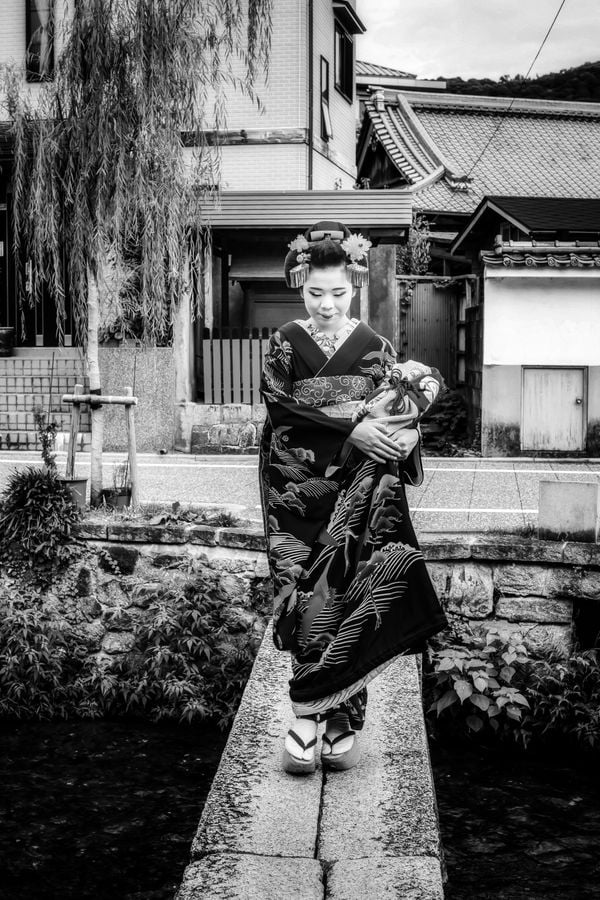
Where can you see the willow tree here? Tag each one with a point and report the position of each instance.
(112, 166)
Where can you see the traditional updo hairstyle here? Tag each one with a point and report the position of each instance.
(326, 244)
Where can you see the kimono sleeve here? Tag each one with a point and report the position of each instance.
(412, 467)
(298, 424)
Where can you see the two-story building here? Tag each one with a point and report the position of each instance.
(283, 166)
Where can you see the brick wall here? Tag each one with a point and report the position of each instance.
(326, 174)
(25, 382)
(283, 94)
(264, 167)
(343, 114)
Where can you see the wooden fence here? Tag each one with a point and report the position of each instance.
(231, 364)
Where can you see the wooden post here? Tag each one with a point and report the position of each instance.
(129, 412)
(73, 432)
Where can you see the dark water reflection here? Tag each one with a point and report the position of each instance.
(101, 809)
(516, 825)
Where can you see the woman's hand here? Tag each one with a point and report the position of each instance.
(372, 438)
(406, 439)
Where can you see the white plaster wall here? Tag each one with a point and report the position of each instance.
(13, 39)
(532, 318)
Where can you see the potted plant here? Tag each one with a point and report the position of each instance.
(119, 496)
(47, 435)
(7, 340)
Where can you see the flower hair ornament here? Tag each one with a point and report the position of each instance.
(355, 246)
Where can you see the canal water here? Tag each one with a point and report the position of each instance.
(107, 810)
(518, 825)
(101, 809)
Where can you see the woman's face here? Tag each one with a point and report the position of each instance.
(327, 294)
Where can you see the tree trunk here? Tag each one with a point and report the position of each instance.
(93, 370)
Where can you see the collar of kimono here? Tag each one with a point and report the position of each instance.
(337, 364)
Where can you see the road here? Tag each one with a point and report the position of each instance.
(457, 494)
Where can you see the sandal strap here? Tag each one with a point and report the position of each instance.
(299, 740)
(338, 737)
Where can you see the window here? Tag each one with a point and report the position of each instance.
(344, 62)
(39, 52)
(326, 129)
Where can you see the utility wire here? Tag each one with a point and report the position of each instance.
(501, 122)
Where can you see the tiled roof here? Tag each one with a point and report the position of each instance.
(366, 69)
(542, 147)
(552, 213)
(573, 257)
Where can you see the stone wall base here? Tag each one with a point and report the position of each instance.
(225, 428)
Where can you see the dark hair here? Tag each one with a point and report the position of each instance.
(327, 253)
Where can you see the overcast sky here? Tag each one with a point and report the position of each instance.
(478, 38)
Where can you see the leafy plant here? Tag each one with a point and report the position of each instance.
(38, 524)
(414, 257)
(47, 435)
(44, 672)
(481, 685)
(564, 698)
(191, 660)
(219, 519)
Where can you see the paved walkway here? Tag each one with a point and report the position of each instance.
(458, 494)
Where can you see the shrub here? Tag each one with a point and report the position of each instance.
(38, 524)
(191, 660)
(488, 684)
(44, 672)
(564, 699)
(481, 687)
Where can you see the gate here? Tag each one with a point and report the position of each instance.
(429, 322)
(230, 365)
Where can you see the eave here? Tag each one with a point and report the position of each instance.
(345, 12)
(371, 209)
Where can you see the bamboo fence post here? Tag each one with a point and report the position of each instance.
(75, 420)
(131, 450)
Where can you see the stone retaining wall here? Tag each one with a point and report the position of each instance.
(512, 583)
(224, 428)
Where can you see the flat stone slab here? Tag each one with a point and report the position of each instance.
(408, 878)
(365, 834)
(230, 877)
(385, 806)
(253, 805)
(569, 510)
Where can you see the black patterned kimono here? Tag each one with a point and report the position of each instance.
(351, 590)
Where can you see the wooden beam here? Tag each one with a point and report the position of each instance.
(77, 399)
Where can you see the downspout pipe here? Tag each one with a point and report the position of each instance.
(311, 82)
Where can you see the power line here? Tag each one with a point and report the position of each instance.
(501, 122)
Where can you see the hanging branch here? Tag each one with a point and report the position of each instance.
(103, 179)
(112, 167)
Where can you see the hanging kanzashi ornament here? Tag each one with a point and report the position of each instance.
(356, 248)
(299, 273)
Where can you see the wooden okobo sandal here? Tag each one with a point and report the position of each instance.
(294, 764)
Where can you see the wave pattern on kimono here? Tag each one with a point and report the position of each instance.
(351, 589)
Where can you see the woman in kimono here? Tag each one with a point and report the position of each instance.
(351, 590)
